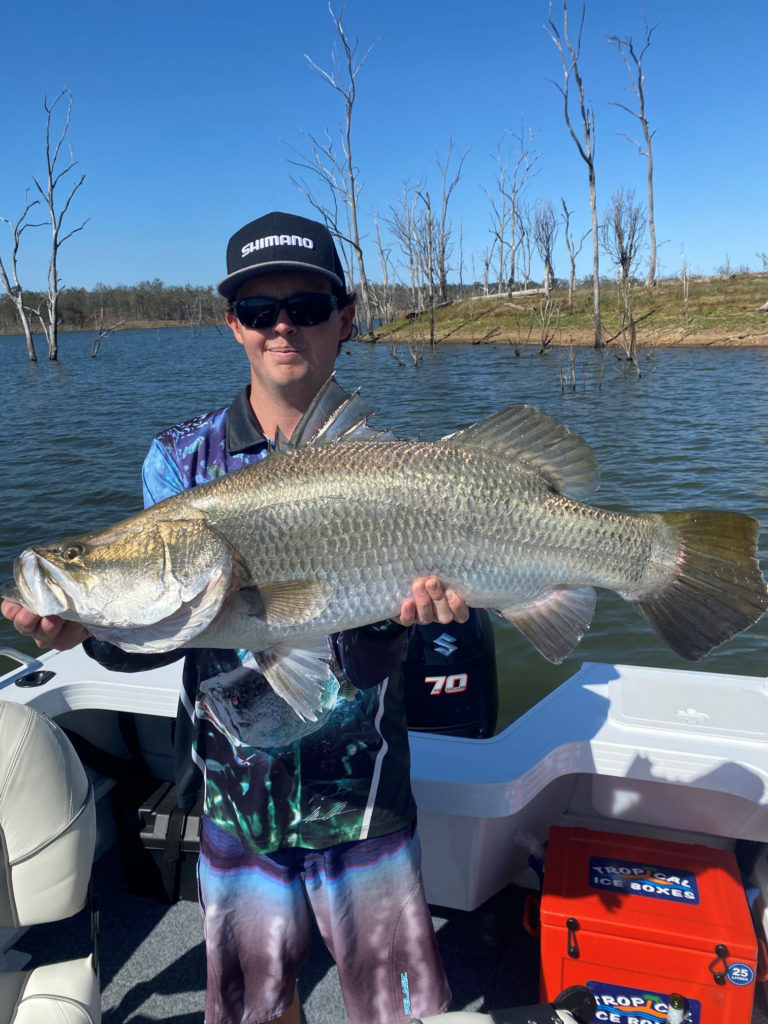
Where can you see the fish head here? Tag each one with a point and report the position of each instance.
(141, 573)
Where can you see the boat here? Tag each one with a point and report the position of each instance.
(666, 755)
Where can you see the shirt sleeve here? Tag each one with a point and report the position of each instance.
(160, 475)
(369, 654)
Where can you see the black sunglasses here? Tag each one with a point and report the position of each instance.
(305, 310)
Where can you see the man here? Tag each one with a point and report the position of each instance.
(315, 820)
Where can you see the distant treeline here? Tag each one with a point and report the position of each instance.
(153, 302)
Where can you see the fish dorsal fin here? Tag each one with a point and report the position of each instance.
(564, 459)
(334, 415)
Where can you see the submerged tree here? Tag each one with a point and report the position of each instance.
(633, 61)
(337, 171)
(48, 313)
(586, 143)
(11, 283)
(623, 238)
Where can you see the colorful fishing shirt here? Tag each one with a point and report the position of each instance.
(270, 780)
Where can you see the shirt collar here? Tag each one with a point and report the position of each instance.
(243, 430)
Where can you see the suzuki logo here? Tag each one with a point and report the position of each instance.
(445, 644)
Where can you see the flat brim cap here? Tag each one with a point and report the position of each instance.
(280, 242)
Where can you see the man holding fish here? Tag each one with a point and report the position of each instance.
(335, 535)
(306, 814)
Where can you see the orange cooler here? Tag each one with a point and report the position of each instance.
(636, 919)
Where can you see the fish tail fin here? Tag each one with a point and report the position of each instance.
(717, 590)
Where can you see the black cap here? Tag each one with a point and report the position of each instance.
(278, 242)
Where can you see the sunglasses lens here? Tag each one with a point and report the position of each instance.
(310, 309)
(304, 310)
(256, 312)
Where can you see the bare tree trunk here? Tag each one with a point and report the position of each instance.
(635, 70)
(585, 145)
(430, 266)
(444, 236)
(573, 252)
(545, 228)
(14, 290)
(623, 239)
(506, 217)
(339, 174)
(49, 316)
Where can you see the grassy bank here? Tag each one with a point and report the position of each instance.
(715, 311)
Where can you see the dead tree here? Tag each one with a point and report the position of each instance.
(633, 62)
(623, 238)
(405, 224)
(585, 144)
(11, 284)
(104, 332)
(511, 185)
(442, 242)
(573, 252)
(338, 171)
(48, 313)
(429, 234)
(545, 230)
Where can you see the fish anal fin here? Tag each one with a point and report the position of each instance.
(555, 623)
(289, 602)
(298, 673)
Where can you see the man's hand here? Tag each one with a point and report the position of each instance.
(430, 602)
(49, 631)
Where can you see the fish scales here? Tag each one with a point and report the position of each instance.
(371, 517)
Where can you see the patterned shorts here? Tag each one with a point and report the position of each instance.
(368, 900)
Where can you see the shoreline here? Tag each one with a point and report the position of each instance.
(579, 338)
(585, 339)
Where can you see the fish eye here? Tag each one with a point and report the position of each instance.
(72, 552)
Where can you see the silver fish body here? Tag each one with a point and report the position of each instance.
(328, 534)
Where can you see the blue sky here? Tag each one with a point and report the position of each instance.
(184, 114)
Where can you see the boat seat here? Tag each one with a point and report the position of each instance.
(47, 840)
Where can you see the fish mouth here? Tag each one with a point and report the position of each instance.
(41, 586)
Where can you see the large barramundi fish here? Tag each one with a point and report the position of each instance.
(328, 532)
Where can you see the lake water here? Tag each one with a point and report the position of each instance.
(692, 432)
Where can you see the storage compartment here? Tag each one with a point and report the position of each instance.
(172, 837)
(636, 919)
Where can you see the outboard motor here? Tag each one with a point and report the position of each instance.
(449, 677)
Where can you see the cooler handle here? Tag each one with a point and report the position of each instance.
(573, 945)
(722, 952)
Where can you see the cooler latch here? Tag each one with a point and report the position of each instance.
(573, 946)
(722, 952)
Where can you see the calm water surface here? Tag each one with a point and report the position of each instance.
(691, 432)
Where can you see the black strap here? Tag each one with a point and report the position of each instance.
(172, 853)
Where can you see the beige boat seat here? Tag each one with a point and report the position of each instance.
(47, 839)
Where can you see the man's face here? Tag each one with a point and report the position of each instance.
(294, 359)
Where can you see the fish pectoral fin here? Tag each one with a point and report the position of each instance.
(289, 602)
(297, 673)
(555, 623)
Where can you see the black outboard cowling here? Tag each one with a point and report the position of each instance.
(450, 679)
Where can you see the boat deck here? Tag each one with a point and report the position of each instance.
(153, 960)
